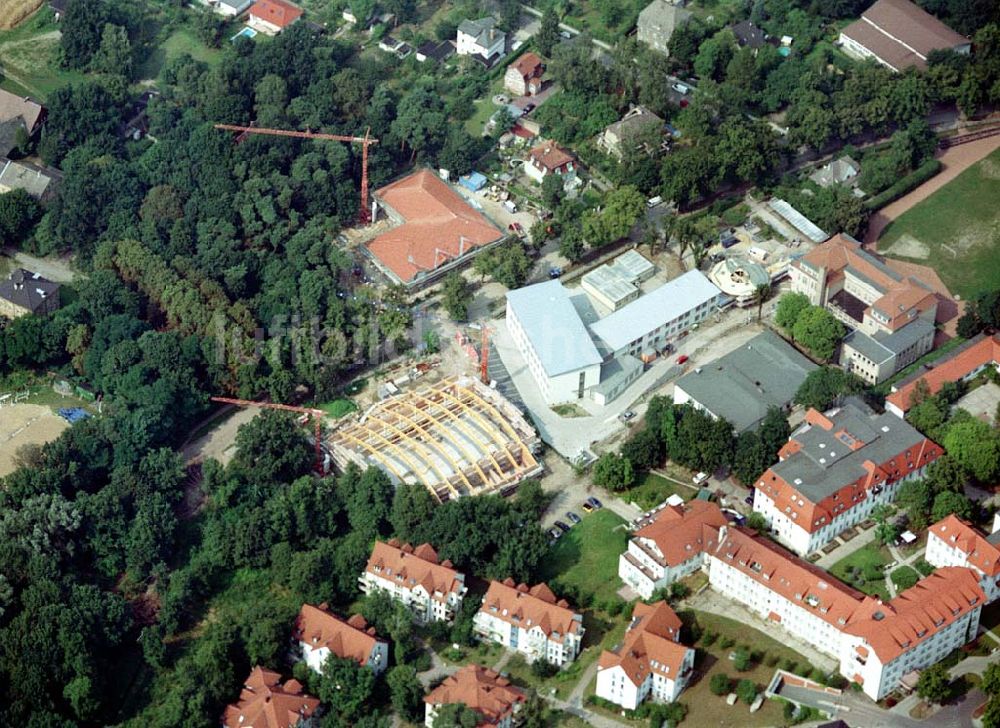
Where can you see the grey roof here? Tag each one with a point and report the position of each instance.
(742, 385)
(663, 16)
(33, 180)
(633, 265)
(749, 35)
(651, 311)
(882, 346)
(635, 121)
(27, 290)
(484, 30)
(553, 326)
(836, 172)
(799, 221)
(826, 461)
(616, 371)
(610, 283)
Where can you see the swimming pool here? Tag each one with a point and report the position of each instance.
(246, 32)
(784, 50)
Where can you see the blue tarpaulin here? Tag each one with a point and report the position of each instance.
(473, 181)
(73, 414)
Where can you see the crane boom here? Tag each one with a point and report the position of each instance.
(365, 142)
(315, 414)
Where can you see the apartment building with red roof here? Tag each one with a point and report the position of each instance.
(433, 230)
(834, 469)
(432, 589)
(669, 545)
(876, 643)
(267, 703)
(320, 633)
(480, 689)
(531, 621)
(550, 158)
(523, 77)
(891, 311)
(962, 364)
(272, 16)
(954, 542)
(651, 663)
(900, 34)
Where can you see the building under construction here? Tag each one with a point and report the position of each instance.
(456, 438)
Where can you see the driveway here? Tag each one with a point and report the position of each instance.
(571, 490)
(55, 269)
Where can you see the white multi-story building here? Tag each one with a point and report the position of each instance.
(319, 633)
(483, 691)
(875, 642)
(431, 589)
(834, 469)
(669, 545)
(954, 542)
(650, 664)
(480, 38)
(530, 621)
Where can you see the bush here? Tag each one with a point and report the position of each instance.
(543, 669)
(904, 577)
(708, 639)
(771, 660)
(916, 178)
(789, 665)
(747, 691)
(923, 567)
(726, 642)
(720, 684)
(741, 659)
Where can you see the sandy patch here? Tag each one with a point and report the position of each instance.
(990, 169)
(910, 247)
(220, 442)
(24, 424)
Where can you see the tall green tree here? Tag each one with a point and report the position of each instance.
(548, 32)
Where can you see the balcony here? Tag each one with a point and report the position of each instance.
(634, 562)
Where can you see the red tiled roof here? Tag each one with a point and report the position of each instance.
(528, 65)
(652, 644)
(963, 536)
(266, 703)
(550, 156)
(530, 608)
(276, 12)
(351, 639)
(410, 567)
(950, 369)
(902, 33)
(480, 689)
(438, 226)
(679, 532)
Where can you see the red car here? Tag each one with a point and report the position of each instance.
(682, 358)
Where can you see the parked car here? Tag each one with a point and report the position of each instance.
(748, 500)
(594, 502)
(681, 88)
(555, 272)
(528, 108)
(682, 358)
(587, 508)
(565, 34)
(573, 518)
(562, 526)
(700, 478)
(554, 533)
(627, 415)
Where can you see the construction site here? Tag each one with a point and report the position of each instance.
(458, 437)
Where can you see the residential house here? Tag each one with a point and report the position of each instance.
(19, 116)
(481, 40)
(639, 127)
(530, 621)
(954, 542)
(267, 703)
(228, 8)
(24, 292)
(136, 124)
(651, 662)
(432, 589)
(838, 172)
(524, 76)
(319, 633)
(58, 8)
(485, 692)
(891, 312)
(744, 384)
(669, 545)
(550, 158)
(749, 35)
(434, 230)
(435, 51)
(900, 34)
(270, 17)
(834, 469)
(39, 182)
(962, 364)
(658, 21)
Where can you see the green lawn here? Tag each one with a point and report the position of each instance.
(653, 489)
(864, 570)
(29, 57)
(339, 407)
(178, 43)
(958, 228)
(585, 560)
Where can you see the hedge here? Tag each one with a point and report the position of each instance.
(916, 178)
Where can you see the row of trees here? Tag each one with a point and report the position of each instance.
(813, 327)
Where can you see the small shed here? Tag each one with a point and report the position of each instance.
(473, 181)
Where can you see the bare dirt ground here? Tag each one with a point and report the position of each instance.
(25, 424)
(954, 160)
(220, 441)
(54, 268)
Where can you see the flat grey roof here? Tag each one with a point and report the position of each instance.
(553, 326)
(826, 462)
(882, 346)
(656, 308)
(615, 371)
(609, 282)
(742, 385)
(632, 265)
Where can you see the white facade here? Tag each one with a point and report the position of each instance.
(426, 607)
(315, 657)
(940, 553)
(644, 569)
(533, 643)
(614, 685)
(472, 40)
(227, 8)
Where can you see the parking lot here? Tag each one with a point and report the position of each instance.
(981, 402)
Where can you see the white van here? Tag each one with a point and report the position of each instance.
(681, 88)
(654, 201)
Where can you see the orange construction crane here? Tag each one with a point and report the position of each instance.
(365, 142)
(484, 356)
(316, 415)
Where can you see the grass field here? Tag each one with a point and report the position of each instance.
(871, 561)
(653, 489)
(177, 44)
(956, 230)
(339, 407)
(29, 57)
(586, 558)
(13, 12)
